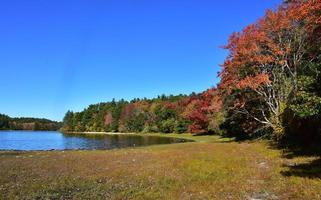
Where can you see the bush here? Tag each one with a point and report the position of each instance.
(215, 123)
(150, 129)
(181, 126)
(167, 126)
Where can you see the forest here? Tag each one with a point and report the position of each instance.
(270, 86)
(196, 113)
(23, 123)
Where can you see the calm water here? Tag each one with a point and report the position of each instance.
(48, 140)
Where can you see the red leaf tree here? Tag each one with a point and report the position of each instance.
(264, 60)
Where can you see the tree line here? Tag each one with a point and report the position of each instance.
(270, 87)
(23, 123)
(166, 114)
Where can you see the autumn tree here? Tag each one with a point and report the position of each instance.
(264, 61)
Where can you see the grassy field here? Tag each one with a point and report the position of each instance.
(210, 168)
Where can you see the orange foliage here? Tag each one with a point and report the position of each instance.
(253, 82)
(262, 45)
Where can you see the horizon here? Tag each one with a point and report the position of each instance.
(65, 56)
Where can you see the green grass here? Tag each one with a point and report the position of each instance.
(210, 168)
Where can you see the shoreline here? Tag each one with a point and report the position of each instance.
(157, 172)
(102, 133)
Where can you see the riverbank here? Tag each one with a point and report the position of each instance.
(210, 168)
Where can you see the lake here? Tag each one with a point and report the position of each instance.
(51, 140)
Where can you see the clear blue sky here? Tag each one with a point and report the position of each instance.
(57, 55)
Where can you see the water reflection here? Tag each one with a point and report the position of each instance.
(30, 140)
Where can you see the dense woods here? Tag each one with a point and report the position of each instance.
(166, 114)
(8, 123)
(270, 87)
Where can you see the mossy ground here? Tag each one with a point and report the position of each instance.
(210, 168)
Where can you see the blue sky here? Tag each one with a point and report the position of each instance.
(60, 55)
